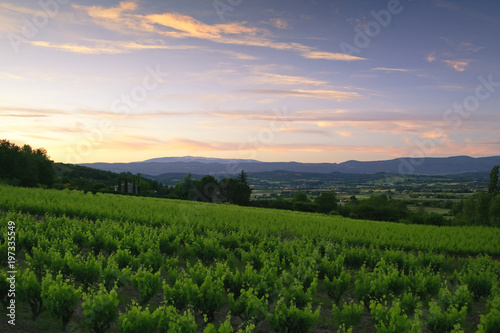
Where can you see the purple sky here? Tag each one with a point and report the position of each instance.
(308, 81)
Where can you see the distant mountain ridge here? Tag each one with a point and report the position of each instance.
(198, 159)
(204, 165)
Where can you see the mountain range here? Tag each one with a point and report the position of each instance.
(217, 166)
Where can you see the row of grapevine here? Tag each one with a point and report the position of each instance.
(203, 217)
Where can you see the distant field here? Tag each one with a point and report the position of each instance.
(241, 268)
(431, 209)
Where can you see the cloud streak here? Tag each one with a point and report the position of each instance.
(311, 54)
(323, 94)
(107, 47)
(386, 69)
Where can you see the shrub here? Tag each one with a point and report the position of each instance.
(293, 319)
(30, 290)
(392, 319)
(148, 284)
(336, 287)
(100, 309)
(210, 297)
(137, 320)
(409, 303)
(60, 297)
(350, 315)
(490, 323)
(248, 305)
(444, 321)
(169, 320)
(181, 294)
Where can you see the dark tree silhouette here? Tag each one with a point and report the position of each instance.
(327, 202)
(236, 191)
(493, 186)
(25, 166)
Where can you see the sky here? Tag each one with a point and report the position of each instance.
(295, 80)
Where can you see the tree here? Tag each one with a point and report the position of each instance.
(242, 177)
(235, 191)
(209, 188)
(493, 186)
(300, 197)
(494, 211)
(186, 188)
(46, 173)
(476, 209)
(307, 206)
(327, 202)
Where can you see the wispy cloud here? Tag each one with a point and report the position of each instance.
(9, 76)
(314, 131)
(466, 148)
(24, 115)
(431, 57)
(281, 79)
(345, 134)
(41, 137)
(458, 65)
(280, 23)
(445, 4)
(14, 111)
(146, 139)
(471, 47)
(9, 22)
(488, 142)
(324, 94)
(467, 11)
(386, 69)
(107, 47)
(186, 26)
(310, 54)
(434, 135)
(447, 87)
(234, 54)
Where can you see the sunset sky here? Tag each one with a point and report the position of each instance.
(295, 80)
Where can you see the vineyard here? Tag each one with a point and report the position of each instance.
(111, 263)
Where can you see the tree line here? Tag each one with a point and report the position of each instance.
(25, 166)
(481, 208)
(209, 189)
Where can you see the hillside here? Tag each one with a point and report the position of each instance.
(202, 166)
